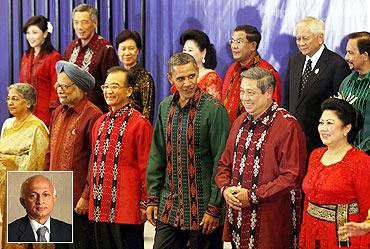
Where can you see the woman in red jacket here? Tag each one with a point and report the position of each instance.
(38, 65)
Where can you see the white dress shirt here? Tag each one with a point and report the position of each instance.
(35, 226)
(314, 58)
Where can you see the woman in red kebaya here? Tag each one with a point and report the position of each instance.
(38, 65)
(197, 44)
(337, 181)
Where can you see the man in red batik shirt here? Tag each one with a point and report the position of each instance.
(244, 44)
(90, 51)
(121, 143)
(261, 168)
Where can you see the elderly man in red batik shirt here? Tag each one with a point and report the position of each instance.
(261, 169)
(121, 144)
(244, 44)
(90, 51)
(70, 142)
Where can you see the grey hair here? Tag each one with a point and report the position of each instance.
(265, 79)
(180, 59)
(27, 181)
(315, 25)
(86, 8)
(28, 92)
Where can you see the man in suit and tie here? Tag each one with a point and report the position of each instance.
(313, 75)
(38, 197)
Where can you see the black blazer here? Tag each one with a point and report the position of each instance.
(20, 230)
(323, 82)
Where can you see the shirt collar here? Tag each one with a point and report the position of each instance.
(357, 74)
(265, 117)
(314, 57)
(193, 101)
(255, 59)
(78, 107)
(35, 226)
(93, 39)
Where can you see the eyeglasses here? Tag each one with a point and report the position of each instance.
(238, 42)
(62, 86)
(111, 87)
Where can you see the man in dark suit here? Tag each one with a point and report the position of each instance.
(313, 75)
(38, 197)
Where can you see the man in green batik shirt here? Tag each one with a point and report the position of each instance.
(189, 137)
(356, 86)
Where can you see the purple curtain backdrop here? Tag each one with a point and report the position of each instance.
(167, 19)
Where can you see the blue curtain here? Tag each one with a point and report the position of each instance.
(167, 19)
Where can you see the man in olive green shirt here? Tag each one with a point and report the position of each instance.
(189, 137)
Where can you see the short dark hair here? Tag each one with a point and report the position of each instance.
(265, 79)
(346, 113)
(253, 35)
(83, 7)
(363, 41)
(129, 75)
(129, 34)
(203, 42)
(180, 58)
(42, 23)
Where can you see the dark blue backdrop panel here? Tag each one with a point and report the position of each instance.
(167, 19)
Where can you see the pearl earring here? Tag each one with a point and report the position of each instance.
(345, 134)
(203, 60)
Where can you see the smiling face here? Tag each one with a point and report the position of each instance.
(84, 26)
(185, 78)
(68, 93)
(332, 129)
(128, 52)
(35, 36)
(254, 101)
(241, 48)
(117, 92)
(308, 42)
(17, 104)
(38, 198)
(191, 47)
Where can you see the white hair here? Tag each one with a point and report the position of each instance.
(315, 25)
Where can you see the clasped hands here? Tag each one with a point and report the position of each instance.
(237, 197)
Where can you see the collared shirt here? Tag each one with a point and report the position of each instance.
(142, 98)
(314, 58)
(358, 88)
(187, 143)
(70, 142)
(231, 86)
(96, 57)
(35, 226)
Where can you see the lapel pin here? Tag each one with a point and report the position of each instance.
(317, 70)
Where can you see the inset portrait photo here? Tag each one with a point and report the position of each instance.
(40, 206)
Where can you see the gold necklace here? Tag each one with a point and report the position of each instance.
(17, 127)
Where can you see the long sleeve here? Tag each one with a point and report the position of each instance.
(108, 60)
(156, 170)
(224, 170)
(218, 133)
(54, 100)
(147, 95)
(292, 154)
(144, 139)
